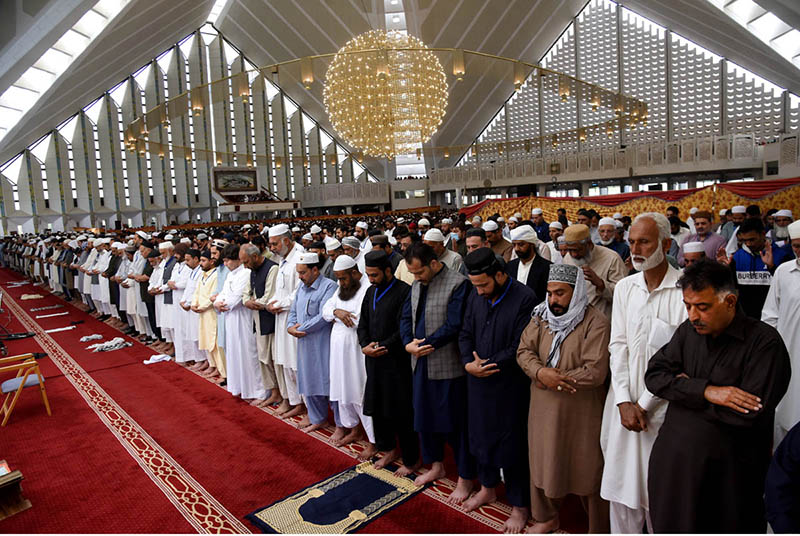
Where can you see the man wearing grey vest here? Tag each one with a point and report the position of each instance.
(429, 325)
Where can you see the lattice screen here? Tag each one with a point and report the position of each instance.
(558, 116)
(523, 120)
(753, 105)
(696, 95)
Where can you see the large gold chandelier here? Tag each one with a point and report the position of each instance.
(385, 93)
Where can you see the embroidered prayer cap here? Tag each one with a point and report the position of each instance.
(434, 235)
(523, 233)
(607, 221)
(739, 209)
(202, 236)
(794, 230)
(693, 247)
(618, 215)
(362, 225)
(490, 226)
(331, 243)
(279, 230)
(480, 261)
(165, 245)
(307, 236)
(377, 259)
(563, 273)
(556, 225)
(296, 229)
(783, 213)
(308, 258)
(316, 229)
(343, 262)
(576, 233)
(425, 222)
(351, 241)
(693, 210)
(537, 211)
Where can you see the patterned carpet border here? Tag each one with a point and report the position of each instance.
(192, 501)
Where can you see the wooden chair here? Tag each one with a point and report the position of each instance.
(28, 375)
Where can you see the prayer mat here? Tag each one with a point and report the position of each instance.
(339, 504)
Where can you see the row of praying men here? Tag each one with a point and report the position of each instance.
(651, 396)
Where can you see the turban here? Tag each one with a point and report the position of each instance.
(351, 241)
(524, 233)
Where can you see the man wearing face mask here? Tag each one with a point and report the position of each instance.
(602, 267)
(782, 311)
(607, 230)
(647, 310)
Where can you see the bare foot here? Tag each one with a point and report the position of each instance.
(462, 491)
(312, 427)
(368, 453)
(256, 401)
(484, 496)
(284, 407)
(405, 470)
(545, 527)
(434, 473)
(218, 380)
(516, 522)
(210, 371)
(273, 398)
(351, 437)
(388, 458)
(305, 421)
(297, 410)
(338, 434)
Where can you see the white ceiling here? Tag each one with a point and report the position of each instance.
(270, 31)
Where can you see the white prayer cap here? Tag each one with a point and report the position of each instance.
(296, 229)
(489, 226)
(202, 236)
(343, 262)
(106, 240)
(619, 224)
(537, 211)
(169, 237)
(351, 241)
(332, 244)
(143, 235)
(307, 236)
(476, 218)
(784, 213)
(500, 219)
(131, 243)
(514, 219)
(723, 211)
(739, 209)
(81, 237)
(278, 230)
(308, 258)
(524, 233)
(401, 220)
(362, 225)
(617, 215)
(73, 243)
(607, 221)
(518, 215)
(434, 235)
(90, 240)
(117, 245)
(246, 226)
(794, 230)
(693, 210)
(316, 229)
(219, 243)
(556, 225)
(447, 221)
(693, 247)
(165, 245)
(185, 240)
(425, 222)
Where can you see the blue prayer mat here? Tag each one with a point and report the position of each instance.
(339, 504)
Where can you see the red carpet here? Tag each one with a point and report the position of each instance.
(135, 448)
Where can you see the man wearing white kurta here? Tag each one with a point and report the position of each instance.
(348, 373)
(177, 283)
(190, 320)
(647, 309)
(85, 268)
(100, 265)
(164, 317)
(284, 346)
(782, 311)
(241, 353)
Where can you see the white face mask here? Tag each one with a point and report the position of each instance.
(606, 242)
(650, 262)
(454, 237)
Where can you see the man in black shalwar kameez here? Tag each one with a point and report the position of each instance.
(723, 374)
(387, 393)
(498, 391)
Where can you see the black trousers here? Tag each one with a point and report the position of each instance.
(391, 431)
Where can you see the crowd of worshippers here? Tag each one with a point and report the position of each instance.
(643, 365)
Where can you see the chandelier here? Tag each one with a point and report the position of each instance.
(385, 93)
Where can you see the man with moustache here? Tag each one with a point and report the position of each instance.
(529, 268)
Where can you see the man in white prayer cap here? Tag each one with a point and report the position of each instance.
(782, 311)
(348, 372)
(779, 234)
(738, 214)
(423, 225)
(607, 232)
(284, 345)
(316, 233)
(540, 226)
(693, 252)
(556, 231)
(690, 219)
(306, 240)
(497, 242)
(435, 239)
(364, 243)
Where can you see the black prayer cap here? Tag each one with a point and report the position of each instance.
(148, 244)
(205, 253)
(481, 261)
(377, 259)
(193, 252)
(153, 254)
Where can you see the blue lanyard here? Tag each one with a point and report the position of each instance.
(493, 304)
(376, 298)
